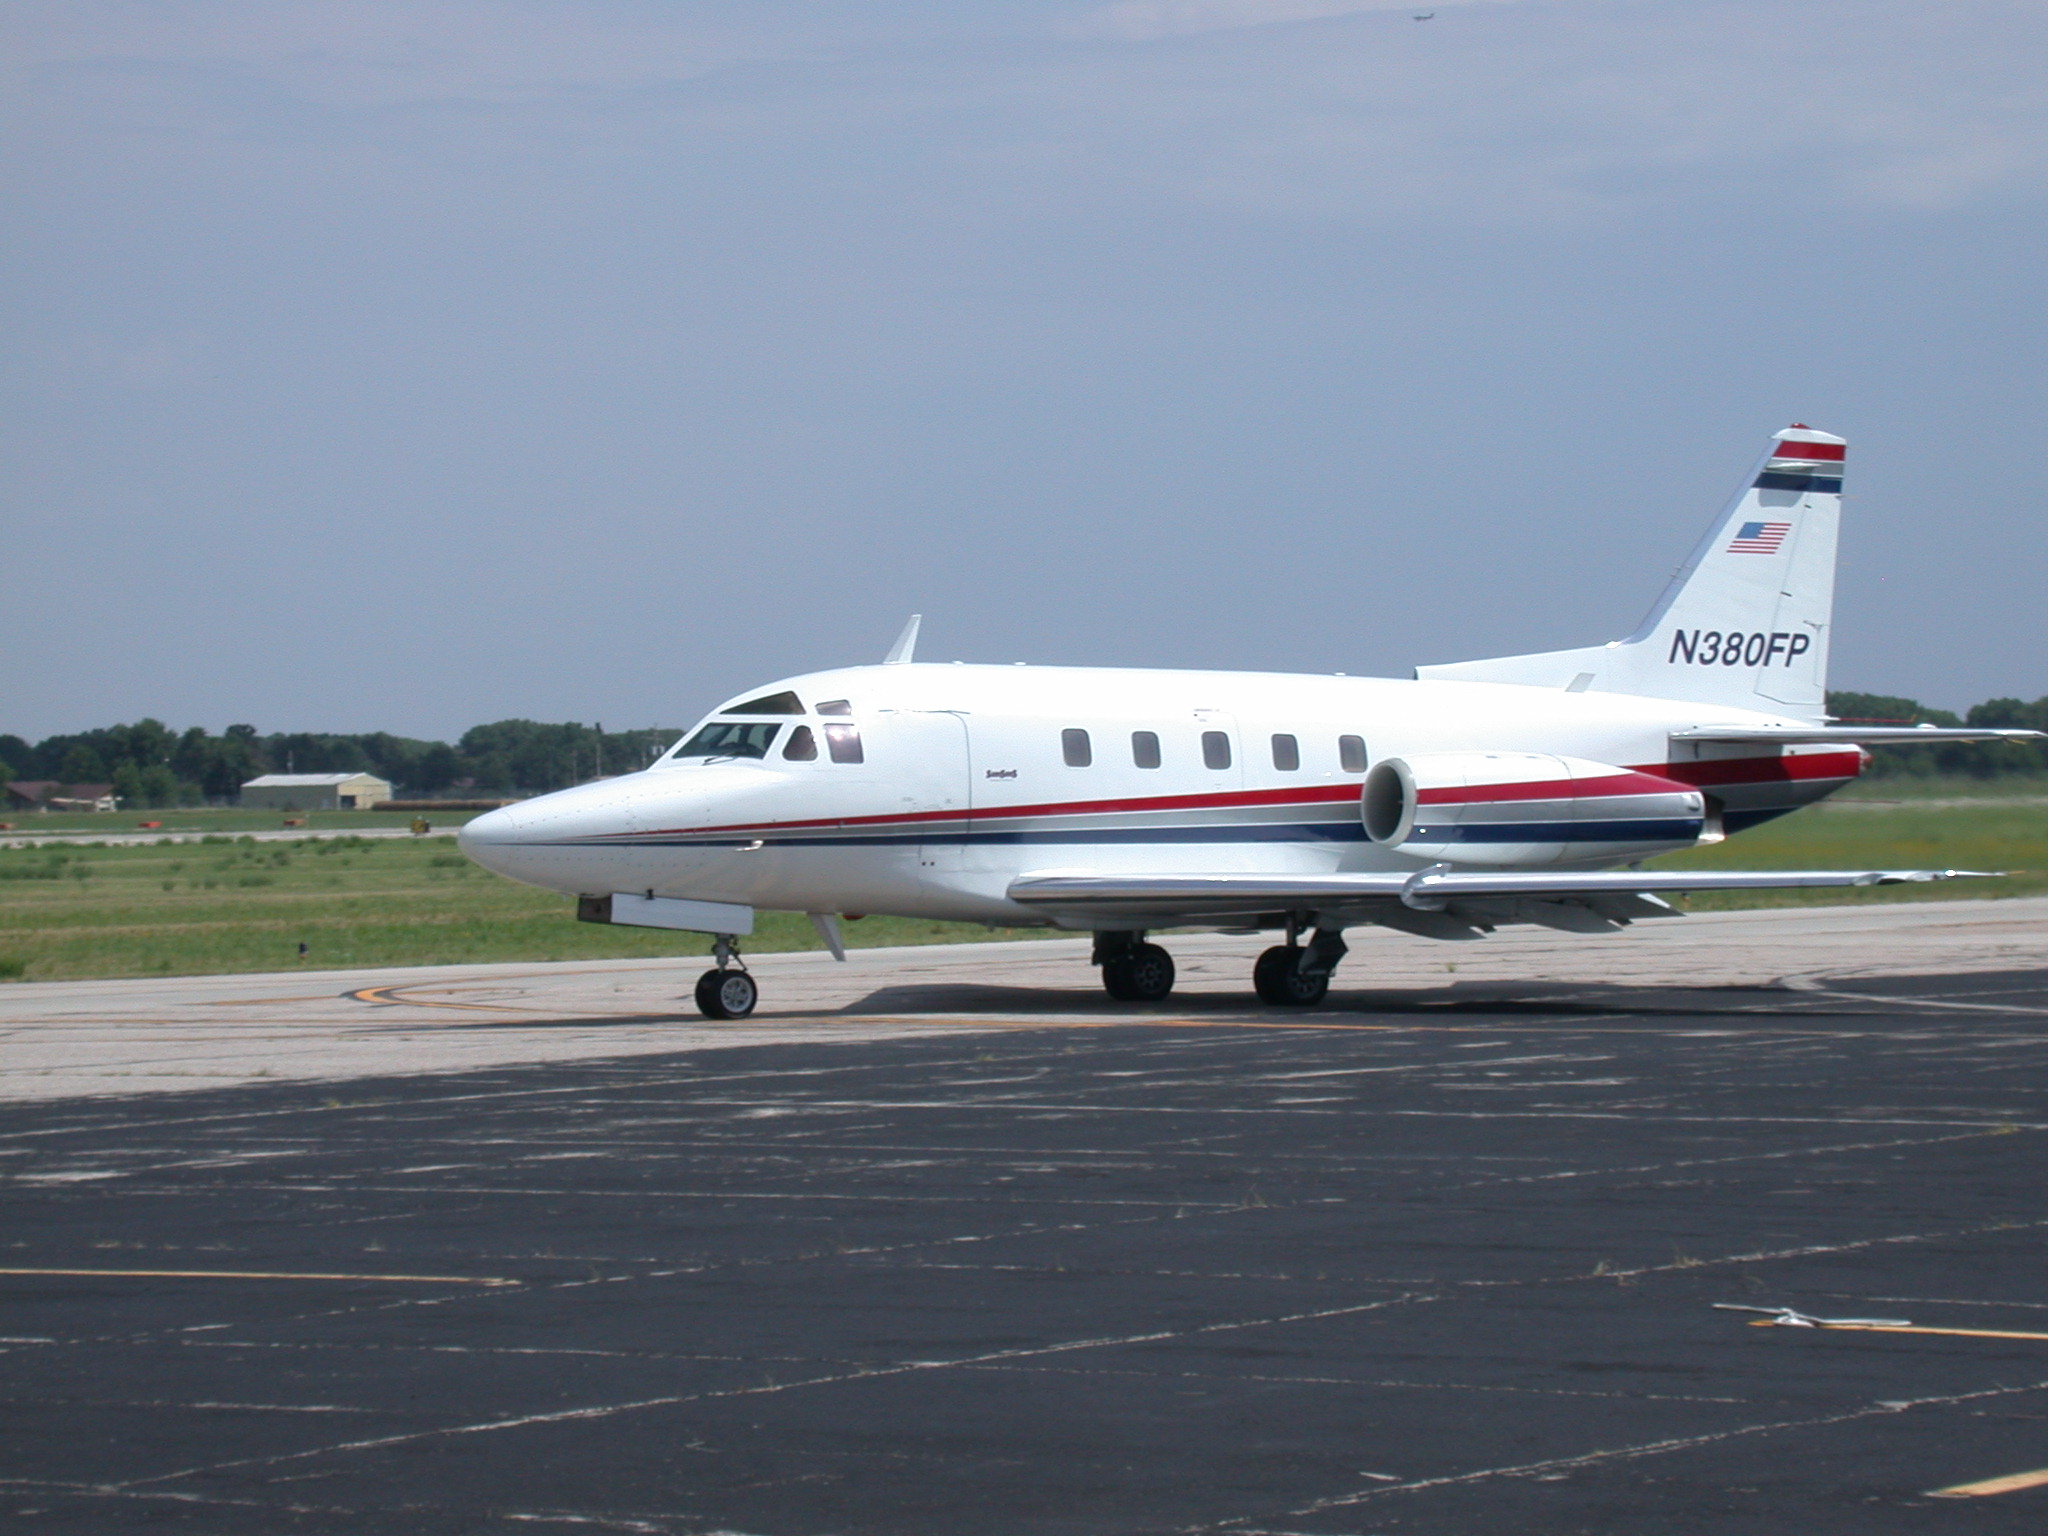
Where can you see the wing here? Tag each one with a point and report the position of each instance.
(1470, 900)
(1852, 735)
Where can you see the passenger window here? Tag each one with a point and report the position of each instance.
(835, 707)
(1351, 753)
(1145, 748)
(1215, 749)
(729, 738)
(772, 704)
(1075, 748)
(1286, 753)
(843, 742)
(802, 746)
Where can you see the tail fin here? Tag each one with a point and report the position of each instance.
(1744, 622)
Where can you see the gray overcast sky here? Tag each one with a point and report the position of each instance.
(401, 366)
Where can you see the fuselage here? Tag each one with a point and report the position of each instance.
(925, 790)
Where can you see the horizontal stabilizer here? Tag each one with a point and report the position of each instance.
(1195, 897)
(1851, 735)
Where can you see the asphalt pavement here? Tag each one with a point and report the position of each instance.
(1437, 1262)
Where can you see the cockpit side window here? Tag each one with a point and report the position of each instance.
(843, 742)
(835, 707)
(729, 738)
(768, 704)
(802, 746)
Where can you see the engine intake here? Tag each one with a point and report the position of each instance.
(1527, 808)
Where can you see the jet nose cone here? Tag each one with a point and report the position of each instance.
(546, 840)
(499, 826)
(495, 839)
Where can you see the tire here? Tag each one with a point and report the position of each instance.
(1279, 982)
(726, 994)
(1141, 974)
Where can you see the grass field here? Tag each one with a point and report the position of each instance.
(239, 905)
(1852, 834)
(203, 819)
(232, 904)
(1916, 788)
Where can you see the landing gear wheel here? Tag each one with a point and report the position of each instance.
(726, 994)
(1141, 974)
(1278, 980)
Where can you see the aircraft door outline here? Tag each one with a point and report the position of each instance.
(947, 784)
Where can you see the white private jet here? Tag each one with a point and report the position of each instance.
(1524, 789)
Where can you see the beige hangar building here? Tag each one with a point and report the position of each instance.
(315, 791)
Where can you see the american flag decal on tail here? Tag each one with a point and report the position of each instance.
(1758, 538)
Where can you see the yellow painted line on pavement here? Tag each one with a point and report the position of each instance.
(256, 1274)
(1991, 1485)
(1953, 1333)
(394, 995)
(383, 995)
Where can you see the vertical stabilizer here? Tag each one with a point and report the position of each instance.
(904, 651)
(1745, 621)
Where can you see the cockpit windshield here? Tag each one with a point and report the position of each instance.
(728, 738)
(772, 704)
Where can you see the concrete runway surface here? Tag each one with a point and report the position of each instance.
(61, 1039)
(928, 1250)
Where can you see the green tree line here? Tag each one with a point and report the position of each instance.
(149, 764)
(1978, 759)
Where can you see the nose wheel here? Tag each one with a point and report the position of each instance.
(729, 991)
(726, 994)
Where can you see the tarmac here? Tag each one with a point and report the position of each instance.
(62, 1039)
(942, 1241)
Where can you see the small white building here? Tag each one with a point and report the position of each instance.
(315, 791)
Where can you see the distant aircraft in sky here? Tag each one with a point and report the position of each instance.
(1523, 789)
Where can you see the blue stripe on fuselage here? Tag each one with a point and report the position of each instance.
(1682, 830)
(1737, 821)
(1255, 832)
(1679, 830)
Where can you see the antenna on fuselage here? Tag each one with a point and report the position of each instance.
(905, 648)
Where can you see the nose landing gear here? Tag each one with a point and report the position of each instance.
(727, 992)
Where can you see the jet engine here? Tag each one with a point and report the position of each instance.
(1528, 808)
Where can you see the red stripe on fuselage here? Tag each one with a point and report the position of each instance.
(1315, 794)
(1667, 776)
(1768, 770)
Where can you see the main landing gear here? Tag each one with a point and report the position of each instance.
(729, 991)
(1132, 970)
(1294, 975)
(1290, 975)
